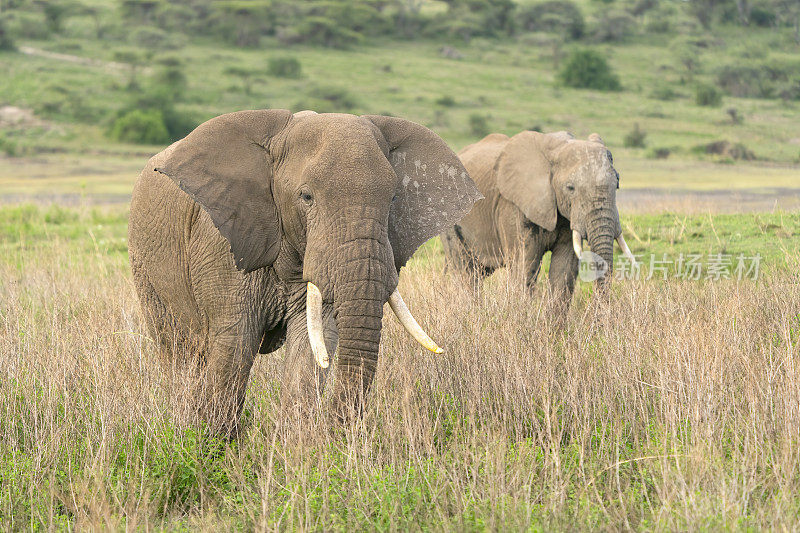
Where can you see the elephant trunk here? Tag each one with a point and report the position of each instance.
(601, 234)
(363, 277)
(359, 310)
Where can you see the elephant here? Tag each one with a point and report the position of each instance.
(544, 192)
(262, 228)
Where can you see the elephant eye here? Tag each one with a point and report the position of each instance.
(306, 197)
(570, 187)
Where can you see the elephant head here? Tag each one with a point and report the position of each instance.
(335, 204)
(547, 174)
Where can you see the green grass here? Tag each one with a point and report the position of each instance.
(510, 83)
(102, 232)
(676, 415)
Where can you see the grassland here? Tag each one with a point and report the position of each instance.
(674, 406)
(510, 84)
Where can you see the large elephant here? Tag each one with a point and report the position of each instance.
(544, 192)
(263, 227)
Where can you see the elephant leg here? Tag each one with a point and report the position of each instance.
(303, 379)
(533, 263)
(563, 271)
(463, 262)
(224, 379)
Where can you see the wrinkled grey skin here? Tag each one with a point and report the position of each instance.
(228, 225)
(538, 188)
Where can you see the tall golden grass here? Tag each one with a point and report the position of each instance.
(675, 405)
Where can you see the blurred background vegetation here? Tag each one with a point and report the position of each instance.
(706, 82)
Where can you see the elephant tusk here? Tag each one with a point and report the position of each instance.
(625, 250)
(314, 324)
(412, 326)
(577, 243)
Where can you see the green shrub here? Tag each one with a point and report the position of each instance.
(142, 127)
(561, 16)
(152, 38)
(479, 125)
(726, 149)
(8, 146)
(178, 123)
(446, 101)
(664, 92)
(762, 17)
(6, 42)
(328, 99)
(26, 25)
(661, 152)
(284, 67)
(707, 95)
(588, 69)
(635, 138)
(613, 26)
(758, 78)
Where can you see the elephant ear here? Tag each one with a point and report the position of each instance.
(523, 172)
(224, 166)
(434, 189)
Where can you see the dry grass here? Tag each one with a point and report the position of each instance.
(674, 406)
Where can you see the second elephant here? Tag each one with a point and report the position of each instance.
(544, 192)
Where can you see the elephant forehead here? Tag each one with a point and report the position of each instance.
(333, 140)
(588, 160)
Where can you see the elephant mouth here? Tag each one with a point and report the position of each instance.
(577, 245)
(316, 331)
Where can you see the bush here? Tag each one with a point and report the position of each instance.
(178, 123)
(660, 153)
(156, 39)
(446, 101)
(761, 17)
(707, 95)
(726, 149)
(328, 99)
(758, 79)
(562, 16)
(8, 146)
(588, 69)
(142, 127)
(25, 25)
(614, 26)
(635, 138)
(6, 42)
(664, 92)
(478, 125)
(284, 67)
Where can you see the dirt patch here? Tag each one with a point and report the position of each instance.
(18, 117)
(716, 201)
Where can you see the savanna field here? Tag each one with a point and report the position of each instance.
(672, 405)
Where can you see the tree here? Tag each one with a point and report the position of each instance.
(134, 60)
(704, 11)
(559, 16)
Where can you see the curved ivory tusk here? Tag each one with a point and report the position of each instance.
(625, 250)
(314, 324)
(577, 243)
(412, 326)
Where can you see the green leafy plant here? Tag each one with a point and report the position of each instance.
(636, 138)
(142, 127)
(479, 125)
(285, 67)
(707, 95)
(588, 69)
